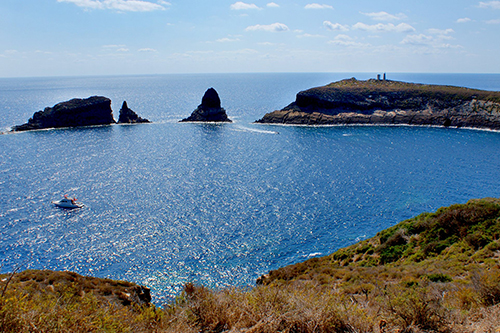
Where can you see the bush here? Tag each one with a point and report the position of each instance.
(478, 240)
(418, 307)
(487, 286)
(438, 277)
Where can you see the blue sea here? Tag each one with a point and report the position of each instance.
(218, 204)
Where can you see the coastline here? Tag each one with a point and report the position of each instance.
(380, 125)
(386, 102)
(400, 279)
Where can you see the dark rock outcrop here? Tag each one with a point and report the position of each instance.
(127, 116)
(210, 109)
(392, 103)
(95, 110)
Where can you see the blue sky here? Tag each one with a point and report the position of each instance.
(107, 37)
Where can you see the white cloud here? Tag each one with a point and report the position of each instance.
(429, 41)
(493, 21)
(275, 27)
(464, 20)
(309, 36)
(335, 26)
(344, 40)
(243, 6)
(227, 40)
(420, 39)
(384, 16)
(147, 49)
(440, 31)
(273, 5)
(317, 6)
(120, 5)
(490, 4)
(381, 27)
(122, 49)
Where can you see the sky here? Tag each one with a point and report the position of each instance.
(122, 37)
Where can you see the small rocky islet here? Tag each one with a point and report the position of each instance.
(96, 110)
(209, 110)
(128, 116)
(386, 102)
(92, 111)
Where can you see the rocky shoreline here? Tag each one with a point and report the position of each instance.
(383, 102)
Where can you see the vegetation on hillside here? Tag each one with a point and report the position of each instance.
(431, 91)
(437, 272)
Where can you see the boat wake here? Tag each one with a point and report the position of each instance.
(248, 129)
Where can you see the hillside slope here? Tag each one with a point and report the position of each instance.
(456, 239)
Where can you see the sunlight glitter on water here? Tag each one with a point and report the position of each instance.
(169, 203)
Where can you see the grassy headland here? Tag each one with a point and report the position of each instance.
(437, 272)
(384, 102)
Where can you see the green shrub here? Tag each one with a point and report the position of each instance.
(419, 307)
(478, 240)
(439, 277)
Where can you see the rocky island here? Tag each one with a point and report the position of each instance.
(209, 110)
(386, 102)
(128, 116)
(95, 110)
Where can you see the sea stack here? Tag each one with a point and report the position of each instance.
(95, 110)
(209, 110)
(127, 116)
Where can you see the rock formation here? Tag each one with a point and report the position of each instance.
(391, 102)
(210, 109)
(95, 110)
(127, 116)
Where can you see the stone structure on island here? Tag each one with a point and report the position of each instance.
(209, 110)
(386, 102)
(95, 110)
(127, 116)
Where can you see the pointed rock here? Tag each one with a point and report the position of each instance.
(210, 109)
(127, 116)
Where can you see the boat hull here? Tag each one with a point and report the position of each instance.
(67, 205)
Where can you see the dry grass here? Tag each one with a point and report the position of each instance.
(410, 305)
(446, 93)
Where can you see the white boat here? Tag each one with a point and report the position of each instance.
(67, 203)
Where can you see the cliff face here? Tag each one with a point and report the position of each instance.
(391, 102)
(209, 110)
(94, 110)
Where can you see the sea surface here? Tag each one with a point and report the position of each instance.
(218, 204)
